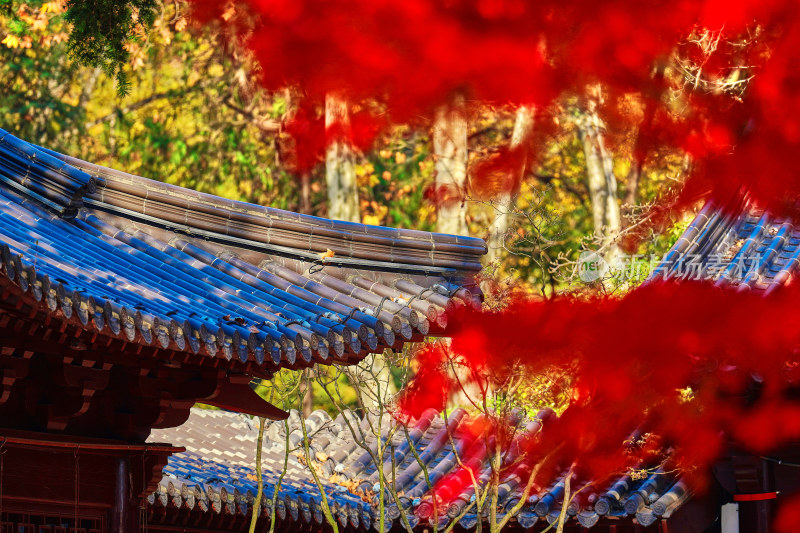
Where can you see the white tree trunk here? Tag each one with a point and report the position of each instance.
(340, 172)
(506, 201)
(602, 183)
(450, 174)
(450, 167)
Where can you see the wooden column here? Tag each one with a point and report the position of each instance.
(764, 507)
(123, 512)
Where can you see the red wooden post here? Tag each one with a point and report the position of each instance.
(120, 514)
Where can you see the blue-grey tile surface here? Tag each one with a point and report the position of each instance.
(167, 267)
(736, 244)
(216, 475)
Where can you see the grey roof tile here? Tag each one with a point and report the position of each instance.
(741, 246)
(349, 483)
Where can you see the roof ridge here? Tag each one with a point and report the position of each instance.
(118, 190)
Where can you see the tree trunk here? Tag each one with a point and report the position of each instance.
(112, 137)
(382, 371)
(259, 476)
(450, 167)
(631, 190)
(562, 517)
(307, 390)
(506, 201)
(602, 183)
(450, 175)
(305, 193)
(340, 176)
(340, 172)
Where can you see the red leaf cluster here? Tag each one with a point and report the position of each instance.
(432, 387)
(628, 356)
(412, 56)
(629, 359)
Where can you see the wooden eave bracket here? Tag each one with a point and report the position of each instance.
(239, 397)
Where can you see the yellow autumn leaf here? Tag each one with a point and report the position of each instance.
(246, 188)
(137, 62)
(364, 170)
(11, 41)
(372, 220)
(181, 24)
(60, 37)
(52, 7)
(230, 11)
(39, 24)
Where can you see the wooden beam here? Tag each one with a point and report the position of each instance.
(241, 398)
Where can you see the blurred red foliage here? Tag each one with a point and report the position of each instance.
(410, 57)
(432, 388)
(630, 358)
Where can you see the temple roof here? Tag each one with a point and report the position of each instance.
(216, 475)
(250, 286)
(735, 244)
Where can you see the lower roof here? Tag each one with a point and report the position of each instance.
(217, 475)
